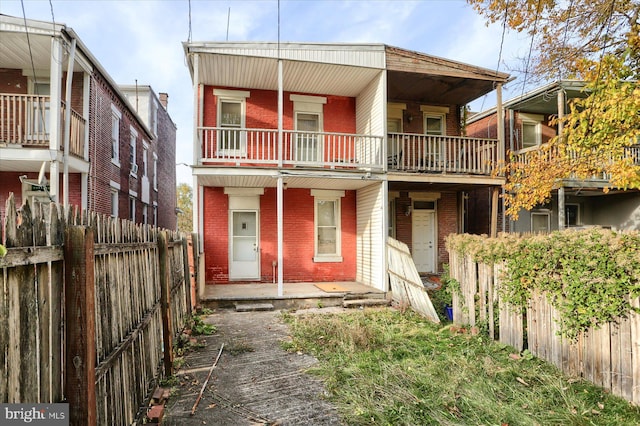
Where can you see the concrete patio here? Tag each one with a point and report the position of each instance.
(295, 295)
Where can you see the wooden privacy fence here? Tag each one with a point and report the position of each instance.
(88, 308)
(608, 356)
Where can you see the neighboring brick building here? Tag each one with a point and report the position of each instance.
(114, 154)
(368, 144)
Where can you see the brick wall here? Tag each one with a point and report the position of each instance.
(298, 247)
(165, 147)
(262, 111)
(12, 81)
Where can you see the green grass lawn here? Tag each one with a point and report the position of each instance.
(385, 367)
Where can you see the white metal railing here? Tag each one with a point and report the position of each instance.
(24, 121)
(410, 152)
(239, 146)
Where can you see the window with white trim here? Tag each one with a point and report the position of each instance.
(434, 124)
(115, 135)
(231, 139)
(540, 222)
(133, 143)
(132, 209)
(155, 171)
(145, 159)
(327, 225)
(530, 130)
(114, 202)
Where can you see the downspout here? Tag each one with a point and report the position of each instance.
(67, 122)
(501, 158)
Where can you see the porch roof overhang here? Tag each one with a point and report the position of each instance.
(268, 178)
(31, 159)
(440, 182)
(414, 76)
(332, 69)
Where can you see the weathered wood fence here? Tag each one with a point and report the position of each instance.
(608, 356)
(88, 308)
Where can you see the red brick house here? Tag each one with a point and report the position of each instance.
(529, 124)
(96, 151)
(308, 156)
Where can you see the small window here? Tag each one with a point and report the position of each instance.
(132, 209)
(434, 124)
(530, 134)
(133, 143)
(145, 155)
(327, 218)
(540, 222)
(424, 205)
(114, 202)
(394, 125)
(115, 139)
(155, 171)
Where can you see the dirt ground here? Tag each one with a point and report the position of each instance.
(255, 381)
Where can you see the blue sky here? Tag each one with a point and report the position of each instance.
(141, 40)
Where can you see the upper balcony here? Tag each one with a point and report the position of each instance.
(24, 122)
(410, 152)
(259, 147)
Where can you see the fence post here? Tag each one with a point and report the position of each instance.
(80, 338)
(165, 301)
(187, 274)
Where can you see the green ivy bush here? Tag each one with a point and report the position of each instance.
(588, 275)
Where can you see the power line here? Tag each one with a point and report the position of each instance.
(564, 40)
(533, 36)
(504, 30)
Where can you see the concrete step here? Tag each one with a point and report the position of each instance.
(361, 303)
(253, 307)
(358, 296)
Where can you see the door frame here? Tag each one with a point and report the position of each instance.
(429, 197)
(247, 200)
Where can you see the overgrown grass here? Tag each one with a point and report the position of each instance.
(385, 367)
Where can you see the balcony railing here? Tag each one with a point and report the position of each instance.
(601, 158)
(408, 152)
(247, 147)
(24, 121)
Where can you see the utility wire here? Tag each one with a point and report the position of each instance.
(504, 30)
(533, 36)
(40, 103)
(564, 39)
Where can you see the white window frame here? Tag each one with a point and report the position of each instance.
(155, 171)
(145, 158)
(231, 96)
(133, 145)
(541, 213)
(116, 116)
(312, 105)
(534, 120)
(336, 197)
(115, 191)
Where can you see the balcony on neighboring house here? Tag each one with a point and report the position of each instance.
(631, 152)
(411, 152)
(24, 122)
(259, 147)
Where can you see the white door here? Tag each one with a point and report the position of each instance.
(244, 257)
(423, 237)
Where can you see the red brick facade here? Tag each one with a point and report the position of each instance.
(298, 250)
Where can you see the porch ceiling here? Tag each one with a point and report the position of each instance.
(435, 89)
(268, 179)
(14, 52)
(298, 76)
(440, 183)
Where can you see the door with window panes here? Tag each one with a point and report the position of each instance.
(40, 111)
(231, 139)
(433, 126)
(308, 147)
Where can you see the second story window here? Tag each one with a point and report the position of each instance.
(115, 135)
(434, 124)
(132, 151)
(531, 130)
(308, 112)
(145, 159)
(231, 140)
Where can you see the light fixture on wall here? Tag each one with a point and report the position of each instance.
(407, 212)
(408, 117)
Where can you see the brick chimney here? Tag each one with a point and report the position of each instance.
(164, 99)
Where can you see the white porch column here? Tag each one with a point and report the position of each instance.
(67, 121)
(561, 200)
(55, 112)
(280, 213)
(561, 207)
(500, 122)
